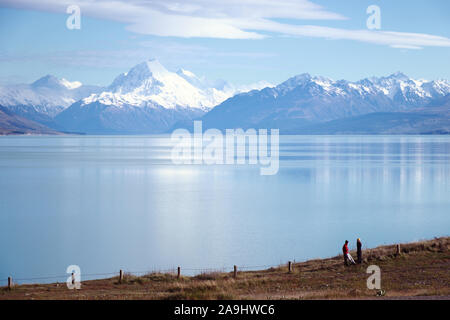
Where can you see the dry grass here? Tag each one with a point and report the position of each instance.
(423, 269)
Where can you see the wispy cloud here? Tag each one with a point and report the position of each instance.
(176, 50)
(231, 19)
(170, 52)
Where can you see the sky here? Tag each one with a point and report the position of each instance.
(241, 41)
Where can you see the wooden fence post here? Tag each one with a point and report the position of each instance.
(120, 276)
(9, 283)
(235, 272)
(398, 250)
(179, 273)
(290, 266)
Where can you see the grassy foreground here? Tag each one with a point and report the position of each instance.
(421, 271)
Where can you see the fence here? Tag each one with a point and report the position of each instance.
(10, 281)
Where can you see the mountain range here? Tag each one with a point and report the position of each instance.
(303, 104)
(150, 99)
(146, 99)
(42, 100)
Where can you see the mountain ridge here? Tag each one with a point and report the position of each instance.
(43, 99)
(146, 99)
(303, 101)
(151, 99)
(10, 123)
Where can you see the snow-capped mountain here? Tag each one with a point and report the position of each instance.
(396, 87)
(404, 90)
(304, 100)
(44, 98)
(150, 83)
(151, 99)
(146, 99)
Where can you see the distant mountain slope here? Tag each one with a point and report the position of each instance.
(11, 123)
(150, 99)
(147, 99)
(44, 98)
(384, 123)
(304, 101)
(98, 118)
(432, 119)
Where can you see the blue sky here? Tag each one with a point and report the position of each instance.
(239, 41)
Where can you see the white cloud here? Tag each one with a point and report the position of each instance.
(402, 46)
(393, 39)
(169, 52)
(231, 19)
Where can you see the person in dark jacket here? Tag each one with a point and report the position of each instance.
(359, 250)
(347, 256)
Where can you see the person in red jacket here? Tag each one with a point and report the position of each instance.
(347, 256)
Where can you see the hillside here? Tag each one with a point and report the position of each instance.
(421, 271)
(11, 123)
(421, 121)
(304, 104)
(147, 99)
(43, 99)
(431, 119)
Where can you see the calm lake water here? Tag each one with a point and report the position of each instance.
(117, 202)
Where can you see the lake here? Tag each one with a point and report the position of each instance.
(106, 203)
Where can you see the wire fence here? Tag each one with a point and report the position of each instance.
(173, 270)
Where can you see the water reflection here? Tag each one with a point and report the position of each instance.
(110, 203)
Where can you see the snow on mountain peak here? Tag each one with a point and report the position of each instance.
(399, 76)
(70, 84)
(199, 82)
(153, 66)
(47, 95)
(186, 73)
(395, 86)
(52, 82)
(295, 81)
(150, 83)
(301, 78)
(47, 81)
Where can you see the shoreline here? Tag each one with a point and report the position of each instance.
(420, 271)
(63, 133)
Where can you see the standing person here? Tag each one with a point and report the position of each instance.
(344, 252)
(347, 256)
(359, 250)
